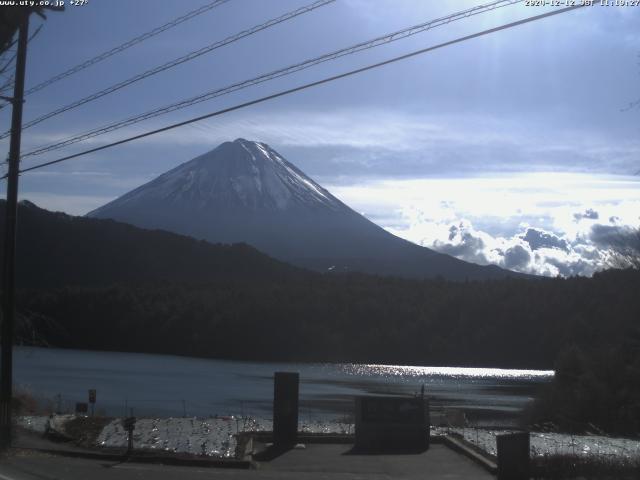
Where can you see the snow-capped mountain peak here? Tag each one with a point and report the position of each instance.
(237, 174)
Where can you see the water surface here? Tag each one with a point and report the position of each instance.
(165, 385)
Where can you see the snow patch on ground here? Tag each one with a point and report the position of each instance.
(214, 437)
(543, 444)
(35, 423)
(211, 436)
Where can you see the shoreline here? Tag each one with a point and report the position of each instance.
(447, 371)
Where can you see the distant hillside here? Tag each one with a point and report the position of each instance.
(55, 249)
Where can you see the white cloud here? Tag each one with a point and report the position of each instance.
(582, 257)
(546, 224)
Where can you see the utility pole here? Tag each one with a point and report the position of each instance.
(8, 267)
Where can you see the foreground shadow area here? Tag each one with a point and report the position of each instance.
(386, 451)
(271, 453)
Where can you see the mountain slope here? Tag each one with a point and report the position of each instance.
(244, 191)
(55, 249)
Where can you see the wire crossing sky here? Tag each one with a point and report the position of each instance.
(391, 37)
(302, 87)
(178, 61)
(517, 148)
(122, 47)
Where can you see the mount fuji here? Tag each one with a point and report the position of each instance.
(244, 191)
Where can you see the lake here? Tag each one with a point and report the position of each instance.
(164, 385)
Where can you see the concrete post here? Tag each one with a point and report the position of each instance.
(285, 409)
(513, 456)
(392, 424)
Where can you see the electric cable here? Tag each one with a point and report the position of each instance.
(126, 45)
(306, 86)
(273, 75)
(173, 63)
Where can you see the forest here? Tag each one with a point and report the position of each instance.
(348, 318)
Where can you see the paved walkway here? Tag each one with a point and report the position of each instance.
(315, 462)
(327, 461)
(24, 438)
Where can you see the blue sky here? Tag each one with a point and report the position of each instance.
(514, 148)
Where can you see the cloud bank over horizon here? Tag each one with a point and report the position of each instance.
(543, 224)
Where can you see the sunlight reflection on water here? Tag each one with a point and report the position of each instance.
(450, 372)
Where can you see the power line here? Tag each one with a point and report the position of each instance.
(126, 45)
(274, 74)
(10, 80)
(8, 63)
(305, 86)
(178, 61)
(8, 85)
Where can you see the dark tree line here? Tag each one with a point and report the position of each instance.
(508, 323)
